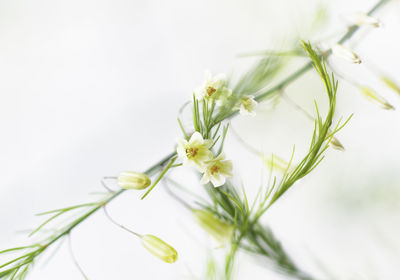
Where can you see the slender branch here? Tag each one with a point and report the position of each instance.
(71, 251)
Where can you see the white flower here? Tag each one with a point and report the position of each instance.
(196, 151)
(213, 88)
(247, 105)
(363, 19)
(345, 53)
(216, 171)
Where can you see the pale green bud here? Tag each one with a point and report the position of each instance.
(133, 180)
(391, 84)
(376, 98)
(218, 229)
(159, 248)
(276, 162)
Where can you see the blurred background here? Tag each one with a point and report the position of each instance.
(92, 88)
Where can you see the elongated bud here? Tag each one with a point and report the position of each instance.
(218, 229)
(376, 98)
(344, 53)
(391, 84)
(159, 248)
(363, 19)
(276, 162)
(133, 180)
(336, 144)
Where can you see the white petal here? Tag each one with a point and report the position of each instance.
(205, 179)
(181, 152)
(196, 137)
(180, 149)
(218, 180)
(243, 111)
(220, 157)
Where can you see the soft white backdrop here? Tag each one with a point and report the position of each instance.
(92, 88)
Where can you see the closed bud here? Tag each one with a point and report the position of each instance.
(363, 19)
(159, 248)
(336, 144)
(346, 54)
(276, 162)
(376, 98)
(221, 231)
(391, 84)
(133, 180)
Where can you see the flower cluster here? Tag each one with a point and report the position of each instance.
(213, 88)
(197, 152)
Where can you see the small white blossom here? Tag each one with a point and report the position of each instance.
(363, 19)
(216, 171)
(247, 105)
(345, 53)
(195, 152)
(213, 88)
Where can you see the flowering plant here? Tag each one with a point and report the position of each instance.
(227, 214)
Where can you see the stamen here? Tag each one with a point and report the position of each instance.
(210, 91)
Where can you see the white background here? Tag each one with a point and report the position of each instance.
(92, 88)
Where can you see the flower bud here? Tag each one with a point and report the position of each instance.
(363, 19)
(336, 144)
(276, 162)
(218, 229)
(391, 84)
(342, 52)
(133, 180)
(159, 248)
(376, 98)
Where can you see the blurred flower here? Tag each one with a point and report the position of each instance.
(275, 162)
(133, 180)
(213, 88)
(159, 248)
(342, 52)
(216, 171)
(196, 151)
(363, 19)
(247, 105)
(376, 98)
(390, 83)
(218, 229)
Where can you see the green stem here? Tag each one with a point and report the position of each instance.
(160, 177)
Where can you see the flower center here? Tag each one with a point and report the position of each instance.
(214, 169)
(192, 152)
(210, 91)
(247, 103)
